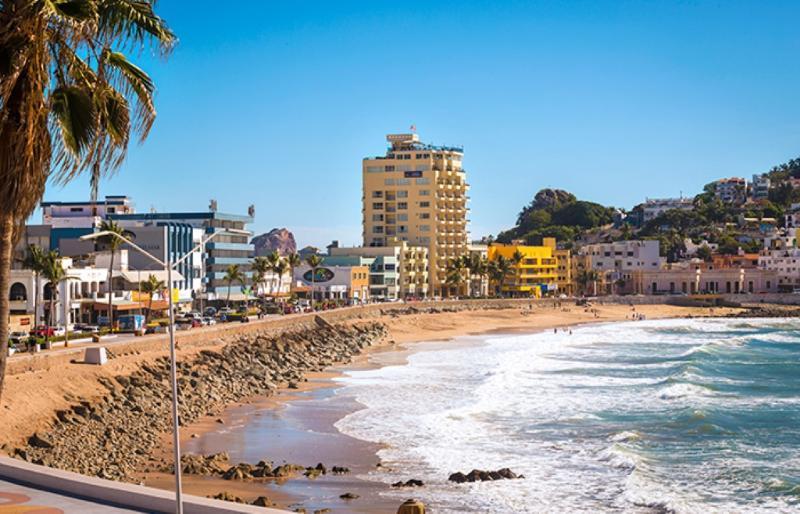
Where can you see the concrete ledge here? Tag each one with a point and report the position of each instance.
(119, 494)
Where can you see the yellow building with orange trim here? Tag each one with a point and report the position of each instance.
(533, 268)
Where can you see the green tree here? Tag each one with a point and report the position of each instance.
(151, 286)
(454, 275)
(260, 267)
(66, 94)
(704, 253)
(293, 260)
(53, 271)
(35, 260)
(112, 244)
(280, 268)
(498, 271)
(314, 261)
(586, 277)
(233, 274)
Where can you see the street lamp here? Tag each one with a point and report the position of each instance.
(168, 266)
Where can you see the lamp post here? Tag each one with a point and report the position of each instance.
(167, 264)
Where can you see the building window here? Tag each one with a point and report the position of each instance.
(425, 192)
(388, 182)
(377, 217)
(389, 168)
(424, 205)
(424, 228)
(402, 205)
(377, 194)
(403, 181)
(374, 169)
(402, 194)
(377, 229)
(424, 215)
(402, 216)
(422, 181)
(377, 205)
(76, 209)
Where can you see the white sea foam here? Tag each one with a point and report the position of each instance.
(570, 412)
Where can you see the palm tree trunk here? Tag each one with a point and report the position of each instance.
(6, 246)
(111, 291)
(149, 309)
(228, 298)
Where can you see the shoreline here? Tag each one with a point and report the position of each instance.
(294, 414)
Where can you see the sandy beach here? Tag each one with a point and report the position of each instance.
(297, 425)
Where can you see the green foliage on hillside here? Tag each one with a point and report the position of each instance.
(556, 213)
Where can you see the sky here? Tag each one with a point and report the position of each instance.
(276, 103)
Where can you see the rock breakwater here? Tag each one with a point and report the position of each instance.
(115, 436)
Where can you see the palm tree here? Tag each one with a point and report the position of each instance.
(151, 286)
(477, 268)
(280, 270)
(293, 260)
(111, 243)
(273, 259)
(454, 274)
(498, 271)
(585, 277)
(53, 271)
(260, 267)
(68, 99)
(233, 274)
(35, 261)
(314, 261)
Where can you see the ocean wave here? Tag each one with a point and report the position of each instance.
(684, 390)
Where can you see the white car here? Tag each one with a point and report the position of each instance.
(208, 321)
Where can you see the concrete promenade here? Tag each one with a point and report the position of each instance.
(31, 489)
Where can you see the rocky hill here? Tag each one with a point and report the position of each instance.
(279, 239)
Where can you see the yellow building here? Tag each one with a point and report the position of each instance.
(533, 268)
(563, 267)
(417, 193)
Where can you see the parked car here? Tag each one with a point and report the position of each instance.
(208, 321)
(210, 311)
(193, 315)
(43, 331)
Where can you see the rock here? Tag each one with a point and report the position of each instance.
(411, 506)
(322, 511)
(477, 475)
(349, 496)
(413, 482)
(339, 470)
(458, 477)
(277, 239)
(228, 497)
(39, 441)
(262, 501)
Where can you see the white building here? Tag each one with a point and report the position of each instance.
(759, 188)
(655, 207)
(731, 190)
(618, 261)
(786, 263)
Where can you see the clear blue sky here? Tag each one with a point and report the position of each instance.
(275, 103)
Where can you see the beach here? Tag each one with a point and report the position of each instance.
(298, 425)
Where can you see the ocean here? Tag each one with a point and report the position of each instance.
(682, 415)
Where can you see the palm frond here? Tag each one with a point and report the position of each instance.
(75, 116)
(135, 23)
(73, 10)
(132, 81)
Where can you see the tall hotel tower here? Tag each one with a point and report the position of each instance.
(417, 193)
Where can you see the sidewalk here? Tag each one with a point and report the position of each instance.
(33, 489)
